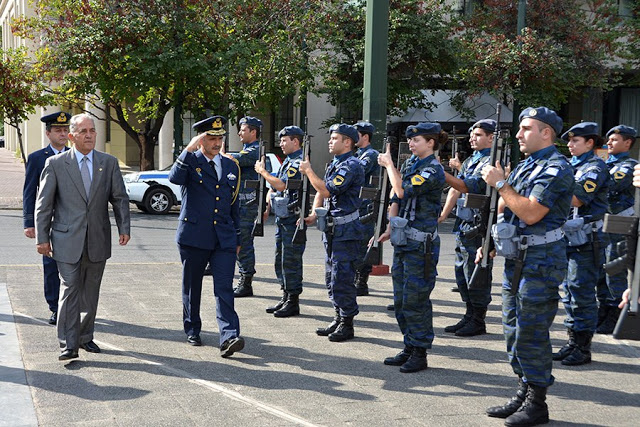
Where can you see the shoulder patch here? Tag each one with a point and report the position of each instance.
(417, 179)
(619, 175)
(292, 172)
(552, 171)
(338, 180)
(425, 174)
(589, 186)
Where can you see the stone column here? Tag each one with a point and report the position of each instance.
(94, 108)
(165, 141)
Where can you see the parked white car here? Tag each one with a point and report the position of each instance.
(152, 192)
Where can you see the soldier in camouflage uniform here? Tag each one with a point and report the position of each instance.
(368, 156)
(249, 135)
(339, 193)
(586, 242)
(413, 214)
(621, 200)
(469, 181)
(536, 199)
(288, 262)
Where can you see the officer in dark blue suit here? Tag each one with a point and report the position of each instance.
(57, 131)
(208, 230)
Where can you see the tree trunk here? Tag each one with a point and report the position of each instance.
(22, 153)
(147, 151)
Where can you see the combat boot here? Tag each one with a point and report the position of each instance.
(244, 288)
(533, 411)
(566, 349)
(416, 362)
(462, 322)
(290, 308)
(344, 331)
(581, 354)
(362, 287)
(279, 304)
(512, 405)
(323, 332)
(475, 325)
(400, 358)
(602, 312)
(609, 322)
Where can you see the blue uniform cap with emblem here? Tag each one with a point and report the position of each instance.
(345, 130)
(487, 124)
(423, 128)
(544, 115)
(56, 119)
(582, 129)
(290, 131)
(211, 126)
(623, 130)
(251, 121)
(365, 127)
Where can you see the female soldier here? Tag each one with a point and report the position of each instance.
(413, 215)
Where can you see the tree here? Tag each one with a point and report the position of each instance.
(21, 90)
(140, 58)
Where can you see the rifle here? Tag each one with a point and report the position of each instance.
(454, 149)
(488, 206)
(380, 197)
(259, 186)
(628, 325)
(301, 204)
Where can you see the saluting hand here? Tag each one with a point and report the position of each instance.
(194, 144)
(385, 159)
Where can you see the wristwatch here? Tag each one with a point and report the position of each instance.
(500, 184)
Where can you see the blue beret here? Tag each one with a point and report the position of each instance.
(211, 126)
(623, 130)
(251, 121)
(290, 131)
(582, 129)
(487, 124)
(544, 115)
(346, 130)
(424, 128)
(365, 127)
(56, 119)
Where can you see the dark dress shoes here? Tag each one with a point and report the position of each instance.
(54, 318)
(194, 340)
(68, 354)
(91, 347)
(231, 345)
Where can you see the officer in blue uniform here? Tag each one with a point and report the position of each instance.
(339, 193)
(535, 201)
(415, 206)
(621, 199)
(250, 128)
(586, 242)
(208, 230)
(57, 131)
(288, 260)
(368, 157)
(468, 240)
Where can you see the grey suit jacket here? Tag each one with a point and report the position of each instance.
(65, 217)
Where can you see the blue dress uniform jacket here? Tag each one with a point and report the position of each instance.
(208, 231)
(35, 164)
(528, 315)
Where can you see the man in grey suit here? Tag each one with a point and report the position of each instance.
(73, 227)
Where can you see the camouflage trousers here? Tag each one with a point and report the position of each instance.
(247, 256)
(528, 315)
(412, 292)
(341, 261)
(288, 262)
(579, 287)
(464, 266)
(611, 287)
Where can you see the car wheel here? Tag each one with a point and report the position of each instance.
(158, 201)
(141, 207)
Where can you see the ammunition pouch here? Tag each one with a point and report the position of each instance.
(462, 212)
(324, 222)
(280, 206)
(576, 232)
(399, 227)
(506, 239)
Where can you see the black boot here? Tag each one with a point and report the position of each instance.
(475, 325)
(581, 354)
(566, 349)
(533, 411)
(462, 322)
(279, 304)
(244, 288)
(416, 362)
(344, 331)
(290, 308)
(323, 332)
(602, 312)
(400, 358)
(362, 287)
(609, 322)
(512, 405)
(391, 307)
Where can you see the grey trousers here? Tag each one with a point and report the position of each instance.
(78, 302)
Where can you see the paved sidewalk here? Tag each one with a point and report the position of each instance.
(11, 180)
